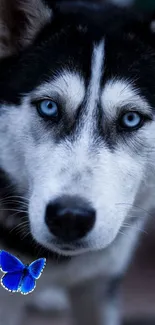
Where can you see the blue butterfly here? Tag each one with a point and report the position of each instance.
(19, 277)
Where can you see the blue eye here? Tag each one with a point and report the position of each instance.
(48, 109)
(131, 120)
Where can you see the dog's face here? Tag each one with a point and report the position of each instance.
(76, 127)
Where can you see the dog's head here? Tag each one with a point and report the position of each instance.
(76, 118)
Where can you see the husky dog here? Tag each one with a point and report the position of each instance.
(77, 138)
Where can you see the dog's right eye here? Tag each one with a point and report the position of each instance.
(48, 109)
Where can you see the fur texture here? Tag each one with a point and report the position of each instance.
(97, 63)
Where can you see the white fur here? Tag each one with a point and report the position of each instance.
(119, 93)
(96, 74)
(68, 86)
(50, 171)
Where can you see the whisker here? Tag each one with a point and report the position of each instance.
(18, 212)
(14, 210)
(14, 202)
(40, 250)
(123, 233)
(20, 225)
(20, 231)
(136, 228)
(16, 197)
(26, 235)
(136, 207)
(22, 228)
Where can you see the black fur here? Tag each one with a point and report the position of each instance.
(129, 50)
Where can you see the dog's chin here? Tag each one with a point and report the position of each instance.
(69, 250)
(64, 249)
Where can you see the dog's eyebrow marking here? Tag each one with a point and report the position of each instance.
(67, 85)
(72, 88)
(121, 93)
(96, 75)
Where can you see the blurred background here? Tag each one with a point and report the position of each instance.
(138, 288)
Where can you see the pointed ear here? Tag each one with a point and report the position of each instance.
(20, 21)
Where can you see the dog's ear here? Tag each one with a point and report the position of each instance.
(20, 21)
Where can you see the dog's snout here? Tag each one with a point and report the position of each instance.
(70, 218)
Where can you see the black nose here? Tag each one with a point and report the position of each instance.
(70, 218)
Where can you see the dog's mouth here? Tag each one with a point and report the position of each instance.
(70, 249)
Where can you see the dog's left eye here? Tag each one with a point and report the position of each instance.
(48, 109)
(131, 121)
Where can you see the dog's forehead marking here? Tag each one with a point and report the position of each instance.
(70, 85)
(97, 66)
(119, 93)
(92, 95)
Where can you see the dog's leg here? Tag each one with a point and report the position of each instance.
(111, 310)
(95, 302)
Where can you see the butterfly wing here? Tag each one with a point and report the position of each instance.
(28, 284)
(10, 263)
(34, 272)
(11, 281)
(36, 268)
